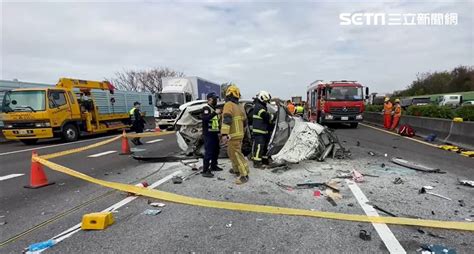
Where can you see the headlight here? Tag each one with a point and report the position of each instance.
(329, 117)
(359, 117)
(42, 124)
(8, 126)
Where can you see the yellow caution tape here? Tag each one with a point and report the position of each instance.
(148, 134)
(80, 149)
(257, 208)
(468, 153)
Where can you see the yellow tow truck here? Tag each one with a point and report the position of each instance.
(66, 110)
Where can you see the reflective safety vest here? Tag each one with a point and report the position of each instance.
(132, 114)
(398, 110)
(214, 124)
(299, 109)
(261, 119)
(291, 108)
(387, 108)
(233, 120)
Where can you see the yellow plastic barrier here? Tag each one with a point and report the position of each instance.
(257, 208)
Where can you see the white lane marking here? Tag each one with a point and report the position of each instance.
(154, 141)
(382, 229)
(2, 178)
(101, 154)
(51, 146)
(71, 231)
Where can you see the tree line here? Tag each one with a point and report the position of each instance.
(460, 79)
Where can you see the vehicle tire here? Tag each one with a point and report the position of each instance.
(70, 133)
(354, 125)
(29, 141)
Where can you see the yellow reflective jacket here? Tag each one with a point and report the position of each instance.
(233, 120)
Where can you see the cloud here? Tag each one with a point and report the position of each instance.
(279, 47)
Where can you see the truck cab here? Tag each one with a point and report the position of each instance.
(64, 110)
(336, 102)
(453, 100)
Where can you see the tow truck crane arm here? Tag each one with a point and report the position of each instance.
(85, 85)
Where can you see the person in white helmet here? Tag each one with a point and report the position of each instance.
(261, 123)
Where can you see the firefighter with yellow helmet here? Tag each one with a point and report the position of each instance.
(233, 131)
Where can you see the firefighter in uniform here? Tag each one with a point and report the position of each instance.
(210, 130)
(261, 122)
(397, 113)
(138, 123)
(387, 113)
(233, 131)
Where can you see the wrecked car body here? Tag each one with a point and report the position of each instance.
(292, 139)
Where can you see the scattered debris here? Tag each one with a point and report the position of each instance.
(228, 225)
(220, 178)
(333, 194)
(330, 200)
(423, 191)
(415, 166)
(152, 212)
(383, 210)
(428, 187)
(155, 204)
(437, 249)
(357, 176)
(383, 165)
(467, 182)
(3, 223)
(398, 180)
(317, 193)
(41, 245)
(430, 138)
(461, 203)
(371, 153)
(364, 235)
(358, 143)
(177, 180)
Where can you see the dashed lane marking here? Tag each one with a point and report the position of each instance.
(3, 178)
(51, 146)
(382, 229)
(154, 141)
(101, 154)
(71, 231)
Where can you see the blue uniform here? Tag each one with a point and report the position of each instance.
(210, 130)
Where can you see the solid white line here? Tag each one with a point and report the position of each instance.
(71, 231)
(154, 141)
(382, 229)
(2, 178)
(51, 146)
(101, 154)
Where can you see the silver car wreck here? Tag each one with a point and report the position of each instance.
(292, 139)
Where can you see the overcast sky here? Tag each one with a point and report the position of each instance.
(279, 47)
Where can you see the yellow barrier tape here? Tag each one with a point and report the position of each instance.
(148, 134)
(256, 208)
(80, 149)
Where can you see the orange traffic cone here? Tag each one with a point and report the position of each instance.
(125, 144)
(157, 129)
(38, 178)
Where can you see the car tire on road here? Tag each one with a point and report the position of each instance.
(29, 141)
(70, 133)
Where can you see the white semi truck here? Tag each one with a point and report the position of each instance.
(178, 91)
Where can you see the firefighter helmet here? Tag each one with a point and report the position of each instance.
(264, 96)
(232, 90)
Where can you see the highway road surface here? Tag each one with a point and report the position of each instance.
(33, 215)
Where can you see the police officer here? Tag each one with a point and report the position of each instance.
(138, 122)
(261, 122)
(210, 130)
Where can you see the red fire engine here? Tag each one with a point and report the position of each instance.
(336, 102)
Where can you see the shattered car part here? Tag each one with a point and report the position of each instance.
(364, 235)
(467, 182)
(415, 166)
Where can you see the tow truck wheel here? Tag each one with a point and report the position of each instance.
(29, 141)
(70, 133)
(354, 125)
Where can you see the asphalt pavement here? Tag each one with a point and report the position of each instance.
(38, 215)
